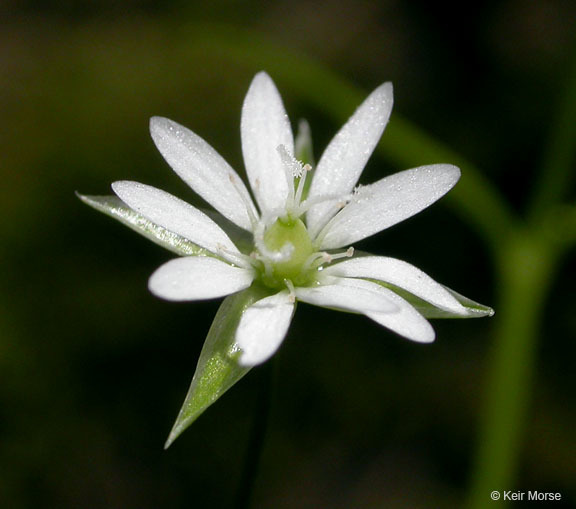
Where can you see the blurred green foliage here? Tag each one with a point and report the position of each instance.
(93, 368)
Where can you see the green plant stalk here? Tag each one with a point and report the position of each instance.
(526, 266)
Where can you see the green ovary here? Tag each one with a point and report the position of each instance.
(276, 237)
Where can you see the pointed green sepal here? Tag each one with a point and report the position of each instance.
(114, 207)
(474, 309)
(217, 368)
(427, 310)
(303, 150)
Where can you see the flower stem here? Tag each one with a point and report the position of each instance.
(526, 266)
(257, 435)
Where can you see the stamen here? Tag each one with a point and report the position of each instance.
(310, 202)
(319, 258)
(239, 259)
(349, 253)
(315, 260)
(301, 183)
(268, 269)
(319, 237)
(291, 289)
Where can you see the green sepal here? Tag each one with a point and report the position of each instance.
(427, 310)
(217, 369)
(114, 207)
(303, 150)
(475, 309)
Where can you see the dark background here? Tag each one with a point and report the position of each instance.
(93, 368)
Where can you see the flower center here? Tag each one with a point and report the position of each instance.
(285, 255)
(290, 237)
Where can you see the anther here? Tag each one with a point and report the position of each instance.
(346, 254)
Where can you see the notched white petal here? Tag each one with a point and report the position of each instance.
(360, 296)
(263, 327)
(401, 274)
(355, 295)
(344, 159)
(407, 321)
(204, 170)
(264, 127)
(175, 215)
(388, 201)
(198, 278)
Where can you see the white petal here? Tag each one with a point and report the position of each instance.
(354, 295)
(365, 297)
(345, 157)
(401, 274)
(407, 321)
(175, 215)
(198, 278)
(387, 202)
(264, 127)
(263, 327)
(204, 170)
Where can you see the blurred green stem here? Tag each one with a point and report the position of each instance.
(526, 263)
(526, 268)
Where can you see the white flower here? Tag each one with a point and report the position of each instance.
(299, 231)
